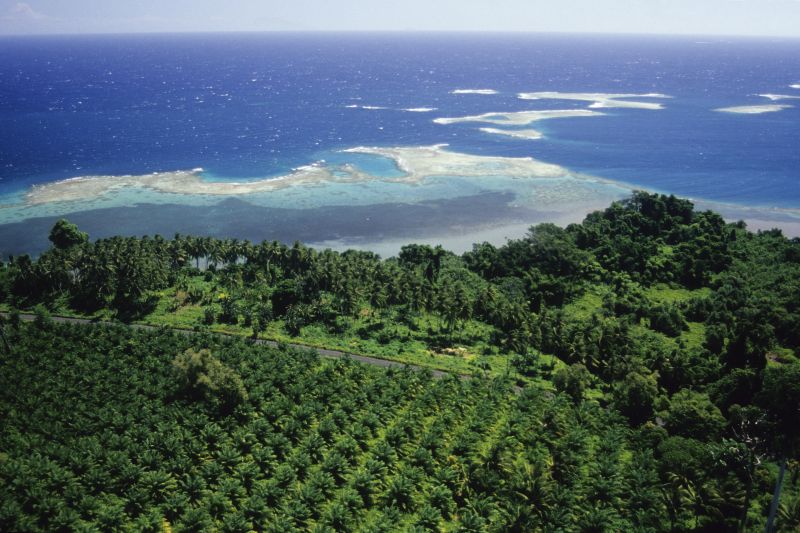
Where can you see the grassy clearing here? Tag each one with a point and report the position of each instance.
(589, 303)
(387, 337)
(467, 351)
(663, 293)
(695, 336)
(398, 341)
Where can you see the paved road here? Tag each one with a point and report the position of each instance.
(323, 352)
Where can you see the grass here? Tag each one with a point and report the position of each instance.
(469, 353)
(662, 293)
(412, 340)
(780, 356)
(695, 336)
(589, 303)
(386, 337)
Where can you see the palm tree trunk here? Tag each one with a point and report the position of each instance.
(747, 496)
(5, 339)
(773, 508)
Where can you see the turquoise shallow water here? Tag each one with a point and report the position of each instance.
(246, 107)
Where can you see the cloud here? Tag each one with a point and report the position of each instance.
(22, 11)
(21, 18)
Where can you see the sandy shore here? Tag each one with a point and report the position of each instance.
(757, 218)
(561, 200)
(178, 182)
(417, 164)
(461, 239)
(599, 100)
(753, 109)
(789, 229)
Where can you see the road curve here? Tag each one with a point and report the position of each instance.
(323, 352)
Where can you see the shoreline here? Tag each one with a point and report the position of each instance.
(561, 202)
(417, 163)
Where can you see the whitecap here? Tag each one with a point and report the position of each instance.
(367, 107)
(776, 97)
(473, 91)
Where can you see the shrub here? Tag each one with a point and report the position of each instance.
(230, 310)
(209, 315)
(572, 380)
(41, 316)
(204, 377)
(667, 319)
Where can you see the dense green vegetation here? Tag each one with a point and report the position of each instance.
(656, 347)
(104, 429)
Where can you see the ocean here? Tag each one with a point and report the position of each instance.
(247, 133)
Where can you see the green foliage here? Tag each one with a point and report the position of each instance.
(42, 317)
(780, 397)
(691, 414)
(572, 380)
(673, 336)
(209, 315)
(667, 319)
(203, 376)
(64, 235)
(318, 444)
(635, 396)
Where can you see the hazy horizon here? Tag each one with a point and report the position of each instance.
(724, 18)
(405, 32)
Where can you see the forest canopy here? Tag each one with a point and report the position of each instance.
(638, 370)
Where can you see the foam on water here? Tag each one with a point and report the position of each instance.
(274, 103)
(778, 97)
(474, 91)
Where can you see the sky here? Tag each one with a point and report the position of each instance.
(697, 17)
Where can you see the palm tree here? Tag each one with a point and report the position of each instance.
(399, 492)
(231, 251)
(789, 515)
(216, 251)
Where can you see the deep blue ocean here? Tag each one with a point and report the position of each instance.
(252, 105)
